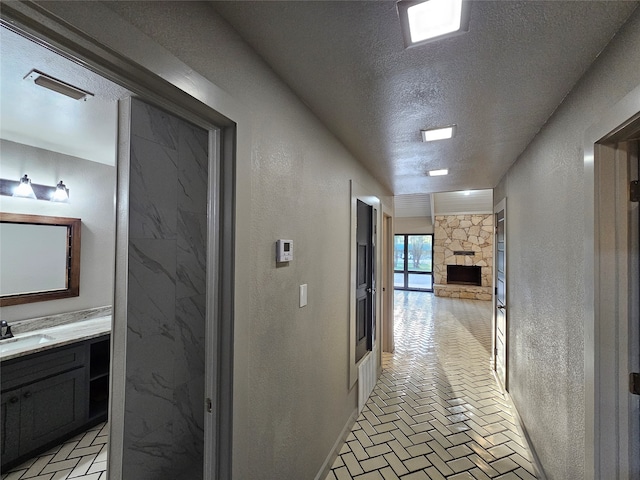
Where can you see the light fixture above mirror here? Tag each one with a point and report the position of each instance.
(23, 188)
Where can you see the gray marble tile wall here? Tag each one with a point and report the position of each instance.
(166, 296)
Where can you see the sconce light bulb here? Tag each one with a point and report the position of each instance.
(24, 189)
(60, 195)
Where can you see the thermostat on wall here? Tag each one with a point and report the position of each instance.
(284, 250)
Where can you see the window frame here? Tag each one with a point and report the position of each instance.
(406, 271)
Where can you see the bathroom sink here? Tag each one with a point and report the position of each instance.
(18, 343)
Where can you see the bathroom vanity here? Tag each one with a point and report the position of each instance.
(54, 384)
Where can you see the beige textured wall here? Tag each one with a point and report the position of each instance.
(546, 269)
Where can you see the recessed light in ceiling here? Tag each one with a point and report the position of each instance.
(58, 86)
(440, 133)
(437, 173)
(427, 20)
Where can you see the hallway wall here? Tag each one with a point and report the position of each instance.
(291, 395)
(545, 231)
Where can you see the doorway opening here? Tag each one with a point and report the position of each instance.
(365, 279)
(612, 332)
(53, 137)
(218, 233)
(500, 321)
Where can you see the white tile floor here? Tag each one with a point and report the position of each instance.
(84, 457)
(436, 411)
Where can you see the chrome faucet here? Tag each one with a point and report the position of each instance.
(5, 330)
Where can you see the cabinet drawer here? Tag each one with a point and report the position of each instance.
(30, 368)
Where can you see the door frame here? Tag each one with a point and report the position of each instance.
(155, 77)
(388, 341)
(365, 281)
(501, 206)
(607, 287)
(360, 193)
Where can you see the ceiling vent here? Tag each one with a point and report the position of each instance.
(58, 86)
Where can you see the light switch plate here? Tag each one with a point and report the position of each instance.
(303, 295)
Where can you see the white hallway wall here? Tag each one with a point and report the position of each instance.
(545, 230)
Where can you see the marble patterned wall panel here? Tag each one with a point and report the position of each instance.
(154, 124)
(188, 361)
(164, 425)
(193, 168)
(191, 254)
(188, 428)
(153, 190)
(191, 300)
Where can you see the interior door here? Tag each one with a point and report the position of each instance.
(364, 281)
(634, 327)
(372, 279)
(501, 323)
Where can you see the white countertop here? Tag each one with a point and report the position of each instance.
(54, 337)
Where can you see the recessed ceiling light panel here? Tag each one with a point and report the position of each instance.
(440, 133)
(423, 21)
(437, 173)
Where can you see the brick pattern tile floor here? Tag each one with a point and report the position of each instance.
(84, 457)
(437, 411)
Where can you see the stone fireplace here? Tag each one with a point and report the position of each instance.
(460, 242)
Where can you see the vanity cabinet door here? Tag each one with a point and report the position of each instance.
(9, 424)
(52, 407)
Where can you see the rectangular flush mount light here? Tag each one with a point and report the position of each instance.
(437, 173)
(423, 21)
(58, 86)
(440, 133)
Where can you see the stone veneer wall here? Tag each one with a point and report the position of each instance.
(463, 233)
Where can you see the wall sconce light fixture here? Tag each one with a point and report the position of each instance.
(24, 188)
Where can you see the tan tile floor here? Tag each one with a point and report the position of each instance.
(437, 411)
(84, 457)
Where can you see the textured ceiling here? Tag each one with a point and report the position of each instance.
(499, 82)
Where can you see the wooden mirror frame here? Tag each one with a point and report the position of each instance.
(73, 258)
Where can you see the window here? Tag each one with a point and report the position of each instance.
(413, 262)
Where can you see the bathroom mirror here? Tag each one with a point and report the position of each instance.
(39, 258)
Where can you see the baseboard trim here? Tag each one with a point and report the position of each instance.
(333, 454)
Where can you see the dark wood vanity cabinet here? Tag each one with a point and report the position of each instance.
(49, 396)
